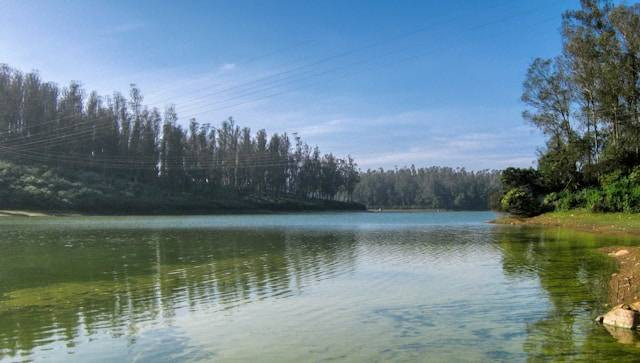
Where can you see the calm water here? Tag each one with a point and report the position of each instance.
(312, 287)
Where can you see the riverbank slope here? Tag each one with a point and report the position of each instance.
(624, 286)
(626, 223)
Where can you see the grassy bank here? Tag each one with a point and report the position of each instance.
(581, 220)
(37, 190)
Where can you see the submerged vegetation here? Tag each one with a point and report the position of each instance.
(587, 102)
(64, 150)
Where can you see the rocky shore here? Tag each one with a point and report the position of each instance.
(623, 320)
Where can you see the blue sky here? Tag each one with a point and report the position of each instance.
(392, 83)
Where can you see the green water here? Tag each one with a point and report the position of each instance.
(302, 287)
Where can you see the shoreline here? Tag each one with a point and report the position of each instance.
(65, 213)
(29, 213)
(624, 285)
(32, 213)
(584, 221)
(408, 210)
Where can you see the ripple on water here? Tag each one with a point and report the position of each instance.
(330, 287)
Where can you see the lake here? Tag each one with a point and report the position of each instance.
(420, 286)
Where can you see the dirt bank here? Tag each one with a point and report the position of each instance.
(624, 286)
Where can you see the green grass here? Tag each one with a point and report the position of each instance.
(629, 220)
(582, 219)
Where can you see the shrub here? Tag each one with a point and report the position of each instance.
(567, 201)
(521, 201)
(550, 201)
(611, 179)
(563, 201)
(634, 176)
(615, 195)
(594, 200)
(632, 201)
(617, 189)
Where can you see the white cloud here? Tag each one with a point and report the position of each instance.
(323, 128)
(228, 67)
(475, 151)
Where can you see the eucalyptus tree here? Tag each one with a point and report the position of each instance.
(121, 138)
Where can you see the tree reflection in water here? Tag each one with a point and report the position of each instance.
(57, 284)
(576, 278)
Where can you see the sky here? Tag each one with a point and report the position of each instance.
(392, 83)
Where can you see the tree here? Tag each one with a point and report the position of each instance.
(122, 139)
(587, 101)
(431, 188)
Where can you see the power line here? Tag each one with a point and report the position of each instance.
(315, 73)
(312, 75)
(342, 54)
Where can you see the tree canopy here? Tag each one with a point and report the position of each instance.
(118, 137)
(587, 101)
(429, 188)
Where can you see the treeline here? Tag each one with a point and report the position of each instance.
(117, 137)
(587, 101)
(429, 188)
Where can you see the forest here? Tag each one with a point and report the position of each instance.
(586, 100)
(63, 149)
(429, 188)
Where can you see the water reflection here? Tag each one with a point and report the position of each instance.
(467, 291)
(575, 277)
(63, 285)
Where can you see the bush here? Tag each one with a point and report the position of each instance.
(563, 201)
(521, 201)
(551, 200)
(567, 201)
(618, 193)
(594, 200)
(615, 195)
(632, 201)
(634, 176)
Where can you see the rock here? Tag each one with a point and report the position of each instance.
(622, 316)
(621, 321)
(619, 253)
(623, 336)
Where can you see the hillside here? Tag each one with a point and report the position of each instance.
(49, 189)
